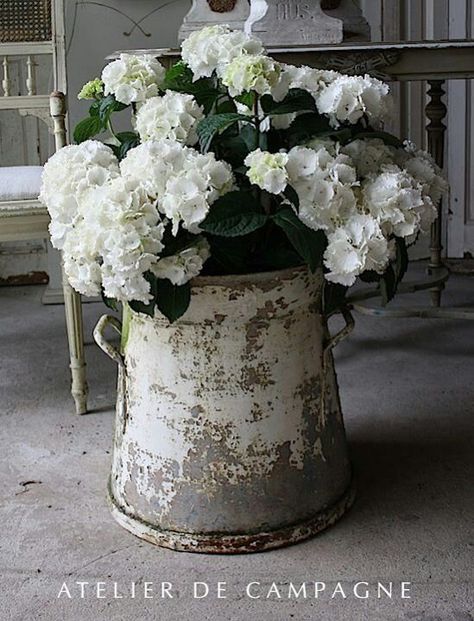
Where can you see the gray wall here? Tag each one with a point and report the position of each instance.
(96, 29)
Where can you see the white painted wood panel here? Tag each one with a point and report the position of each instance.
(460, 142)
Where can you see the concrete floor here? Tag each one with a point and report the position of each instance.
(408, 396)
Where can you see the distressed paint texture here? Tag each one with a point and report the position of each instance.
(221, 423)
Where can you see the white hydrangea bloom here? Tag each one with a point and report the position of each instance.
(192, 190)
(213, 47)
(133, 78)
(81, 259)
(251, 72)
(67, 174)
(348, 98)
(427, 214)
(185, 265)
(185, 200)
(153, 163)
(267, 170)
(357, 246)
(310, 79)
(131, 242)
(395, 200)
(184, 182)
(325, 182)
(301, 162)
(328, 144)
(424, 170)
(306, 78)
(119, 236)
(218, 173)
(324, 203)
(369, 155)
(173, 116)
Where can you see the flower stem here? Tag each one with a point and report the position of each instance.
(266, 202)
(257, 120)
(113, 134)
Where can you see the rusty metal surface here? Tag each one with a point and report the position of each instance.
(229, 421)
(218, 543)
(31, 278)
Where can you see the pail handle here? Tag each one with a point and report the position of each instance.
(101, 341)
(345, 331)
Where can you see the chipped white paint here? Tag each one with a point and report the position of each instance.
(221, 424)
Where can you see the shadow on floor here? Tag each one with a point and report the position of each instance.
(414, 477)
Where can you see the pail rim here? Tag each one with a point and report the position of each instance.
(250, 279)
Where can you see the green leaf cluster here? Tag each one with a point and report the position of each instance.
(205, 91)
(98, 120)
(171, 300)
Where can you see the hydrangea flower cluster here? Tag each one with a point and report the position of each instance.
(356, 193)
(348, 98)
(236, 163)
(257, 73)
(184, 182)
(267, 170)
(114, 246)
(93, 89)
(211, 49)
(173, 116)
(357, 246)
(181, 267)
(109, 220)
(68, 174)
(237, 58)
(133, 79)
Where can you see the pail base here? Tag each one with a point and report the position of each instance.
(219, 543)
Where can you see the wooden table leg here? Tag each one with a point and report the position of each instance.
(75, 336)
(435, 112)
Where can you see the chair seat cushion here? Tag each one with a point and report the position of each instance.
(20, 182)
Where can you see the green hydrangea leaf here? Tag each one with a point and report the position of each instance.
(309, 244)
(234, 214)
(128, 140)
(208, 127)
(142, 307)
(297, 100)
(172, 300)
(107, 106)
(388, 285)
(87, 128)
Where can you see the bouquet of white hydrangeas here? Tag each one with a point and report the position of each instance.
(236, 164)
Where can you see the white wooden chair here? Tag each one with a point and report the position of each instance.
(23, 36)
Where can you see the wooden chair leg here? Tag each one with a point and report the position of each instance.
(75, 336)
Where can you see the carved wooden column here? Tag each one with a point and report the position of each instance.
(6, 78)
(435, 112)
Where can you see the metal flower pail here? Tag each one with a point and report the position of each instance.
(229, 436)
